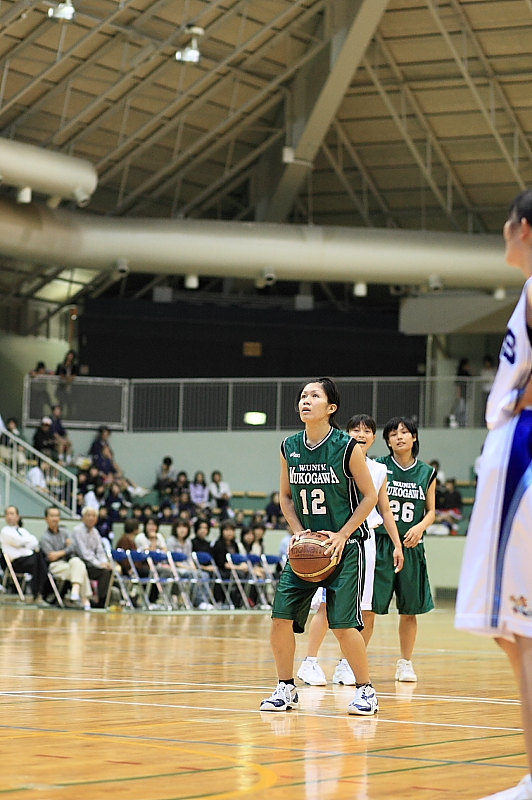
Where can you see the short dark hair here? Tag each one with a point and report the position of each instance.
(18, 512)
(131, 525)
(49, 508)
(332, 393)
(409, 424)
(257, 524)
(521, 207)
(362, 419)
(167, 461)
(180, 523)
(228, 523)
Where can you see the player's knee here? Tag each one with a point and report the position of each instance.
(280, 626)
(343, 633)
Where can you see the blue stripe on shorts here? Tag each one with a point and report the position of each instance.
(518, 479)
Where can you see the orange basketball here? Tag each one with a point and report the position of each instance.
(308, 559)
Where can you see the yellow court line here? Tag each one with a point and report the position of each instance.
(268, 778)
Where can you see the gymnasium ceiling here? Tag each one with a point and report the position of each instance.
(433, 129)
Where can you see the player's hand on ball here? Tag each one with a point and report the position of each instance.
(336, 546)
(296, 536)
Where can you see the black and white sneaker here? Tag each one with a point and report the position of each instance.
(284, 698)
(365, 702)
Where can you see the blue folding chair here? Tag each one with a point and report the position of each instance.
(261, 580)
(164, 582)
(273, 566)
(242, 580)
(118, 558)
(202, 559)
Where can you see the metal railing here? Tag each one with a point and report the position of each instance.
(205, 404)
(85, 402)
(49, 480)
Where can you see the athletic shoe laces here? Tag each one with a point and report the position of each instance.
(281, 695)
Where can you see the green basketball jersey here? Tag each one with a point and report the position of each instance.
(323, 491)
(407, 492)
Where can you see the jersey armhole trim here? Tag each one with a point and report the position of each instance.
(347, 457)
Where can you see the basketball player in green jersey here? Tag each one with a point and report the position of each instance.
(322, 469)
(412, 496)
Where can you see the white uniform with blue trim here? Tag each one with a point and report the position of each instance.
(495, 591)
(374, 520)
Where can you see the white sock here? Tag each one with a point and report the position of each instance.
(74, 595)
(312, 658)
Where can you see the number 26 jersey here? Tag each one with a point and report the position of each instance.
(324, 493)
(407, 492)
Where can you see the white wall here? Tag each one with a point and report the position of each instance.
(250, 461)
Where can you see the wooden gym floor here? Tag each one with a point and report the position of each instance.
(165, 707)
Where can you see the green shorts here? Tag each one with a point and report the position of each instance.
(411, 585)
(344, 591)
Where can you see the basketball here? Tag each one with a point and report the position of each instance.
(308, 559)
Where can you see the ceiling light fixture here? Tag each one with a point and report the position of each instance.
(64, 12)
(255, 418)
(191, 282)
(191, 53)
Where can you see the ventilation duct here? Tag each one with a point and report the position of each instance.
(31, 168)
(40, 234)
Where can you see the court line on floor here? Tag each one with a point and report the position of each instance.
(213, 688)
(273, 782)
(216, 686)
(254, 711)
(306, 750)
(267, 778)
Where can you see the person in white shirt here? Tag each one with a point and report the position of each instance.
(151, 539)
(22, 549)
(36, 479)
(220, 494)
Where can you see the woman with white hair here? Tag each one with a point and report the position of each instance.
(87, 544)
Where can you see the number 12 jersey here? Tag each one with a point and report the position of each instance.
(324, 493)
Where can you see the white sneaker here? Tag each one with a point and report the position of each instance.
(344, 674)
(283, 698)
(365, 702)
(205, 606)
(405, 671)
(523, 791)
(310, 672)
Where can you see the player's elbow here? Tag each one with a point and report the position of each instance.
(372, 498)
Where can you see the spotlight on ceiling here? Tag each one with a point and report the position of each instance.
(499, 294)
(191, 53)
(435, 283)
(255, 418)
(191, 282)
(360, 289)
(64, 12)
